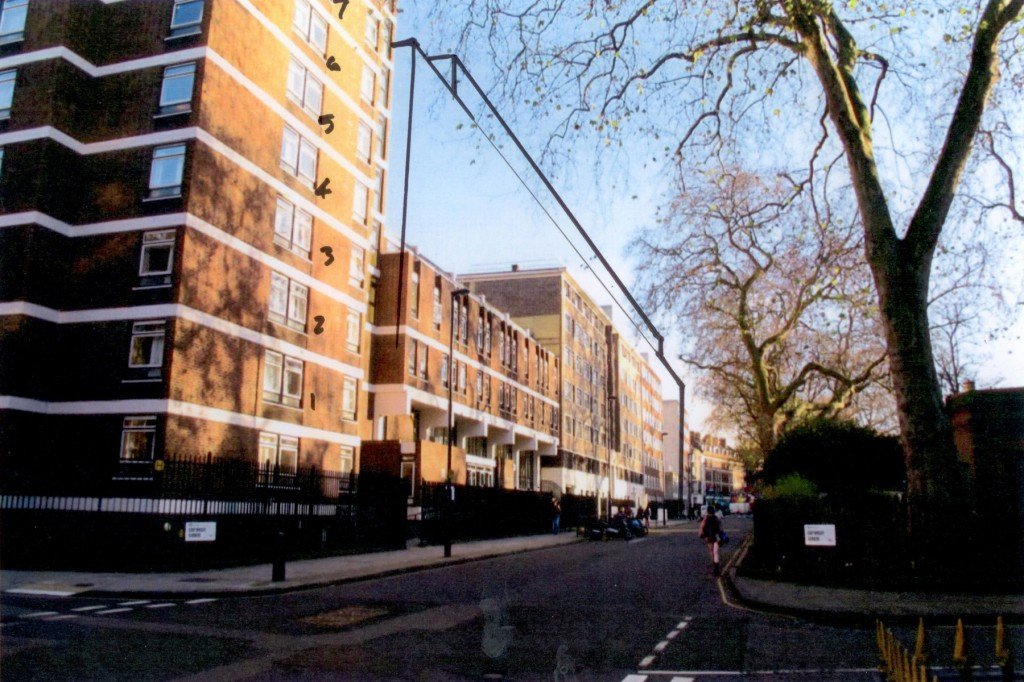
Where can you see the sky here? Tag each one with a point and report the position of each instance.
(469, 212)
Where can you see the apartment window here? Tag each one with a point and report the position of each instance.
(480, 331)
(378, 180)
(12, 21)
(166, 173)
(186, 17)
(298, 155)
(293, 228)
(412, 357)
(371, 301)
(414, 296)
(310, 25)
(353, 330)
(1, 160)
(356, 266)
(480, 385)
(138, 438)
(437, 304)
(462, 377)
(157, 253)
(464, 321)
(366, 85)
(347, 460)
(372, 31)
(279, 454)
(147, 345)
(445, 370)
(348, 398)
(487, 336)
(382, 124)
(288, 301)
(421, 360)
(304, 88)
(383, 85)
(364, 138)
(282, 379)
(176, 90)
(360, 196)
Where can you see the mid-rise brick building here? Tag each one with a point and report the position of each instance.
(172, 283)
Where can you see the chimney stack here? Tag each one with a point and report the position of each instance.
(515, 267)
(968, 385)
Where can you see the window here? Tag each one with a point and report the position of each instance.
(414, 296)
(288, 301)
(157, 253)
(378, 179)
(383, 84)
(372, 31)
(353, 332)
(346, 463)
(480, 385)
(138, 439)
(364, 138)
(464, 322)
(445, 370)
(186, 17)
(366, 85)
(305, 89)
(437, 304)
(279, 454)
(293, 228)
(310, 25)
(298, 155)
(462, 377)
(382, 124)
(282, 379)
(422, 360)
(356, 266)
(371, 300)
(12, 21)
(360, 195)
(166, 172)
(147, 345)
(388, 32)
(412, 357)
(487, 336)
(348, 398)
(176, 91)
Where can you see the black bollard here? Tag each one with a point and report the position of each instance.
(277, 572)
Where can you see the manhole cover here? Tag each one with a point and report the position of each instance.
(345, 617)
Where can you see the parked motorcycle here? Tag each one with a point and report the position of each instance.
(623, 527)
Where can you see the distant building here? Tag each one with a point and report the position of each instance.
(717, 471)
(675, 455)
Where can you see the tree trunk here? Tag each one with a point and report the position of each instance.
(937, 485)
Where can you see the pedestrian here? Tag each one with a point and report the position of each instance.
(556, 515)
(647, 517)
(710, 531)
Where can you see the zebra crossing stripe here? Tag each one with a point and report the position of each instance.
(109, 611)
(89, 608)
(39, 614)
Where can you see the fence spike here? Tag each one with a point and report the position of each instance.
(906, 670)
(922, 651)
(960, 645)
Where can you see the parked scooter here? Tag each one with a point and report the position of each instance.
(621, 526)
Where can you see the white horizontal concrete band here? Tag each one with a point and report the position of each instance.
(177, 310)
(95, 71)
(175, 407)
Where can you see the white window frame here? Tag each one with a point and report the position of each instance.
(164, 239)
(371, 34)
(8, 80)
(367, 85)
(357, 266)
(277, 370)
(153, 332)
(190, 27)
(12, 11)
(272, 453)
(144, 424)
(293, 228)
(383, 88)
(360, 199)
(347, 453)
(349, 398)
(311, 25)
(298, 155)
(292, 299)
(364, 142)
(167, 154)
(353, 330)
(175, 73)
(305, 89)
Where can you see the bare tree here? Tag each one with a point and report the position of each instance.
(899, 89)
(781, 323)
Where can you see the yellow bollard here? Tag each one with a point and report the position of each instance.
(921, 649)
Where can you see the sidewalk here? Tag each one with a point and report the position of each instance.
(256, 579)
(812, 601)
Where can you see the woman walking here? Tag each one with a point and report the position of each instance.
(710, 533)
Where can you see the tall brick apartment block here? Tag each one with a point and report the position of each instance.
(171, 284)
(606, 388)
(504, 383)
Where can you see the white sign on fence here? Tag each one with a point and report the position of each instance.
(820, 534)
(200, 531)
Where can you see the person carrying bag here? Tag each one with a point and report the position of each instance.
(711, 532)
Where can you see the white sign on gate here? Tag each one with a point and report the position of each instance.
(200, 531)
(820, 535)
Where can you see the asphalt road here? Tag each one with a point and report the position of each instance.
(643, 610)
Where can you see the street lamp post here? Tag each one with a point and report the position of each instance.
(449, 490)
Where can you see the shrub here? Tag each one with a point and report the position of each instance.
(792, 486)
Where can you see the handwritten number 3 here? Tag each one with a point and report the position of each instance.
(329, 252)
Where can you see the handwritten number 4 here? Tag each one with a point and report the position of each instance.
(329, 252)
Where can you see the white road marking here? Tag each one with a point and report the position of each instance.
(634, 678)
(64, 616)
(163, 605)
(89, 608)
(109, 611)
(39, 614)
(199, 601)
(647, 661)
(672, 635)
(683, 679)
(683, 624)
(660, 646)
(47, 593)
(137, 602)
